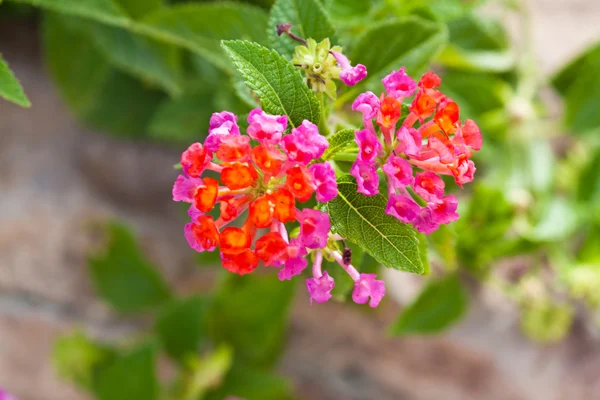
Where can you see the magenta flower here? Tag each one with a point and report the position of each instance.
(425, 222)
(368, 145)
(409, 141)
(367, 103)
(429, 185)
(444, 210)
(367, 286)
(305, 143)
(264, 127)
(350, 75)
(366, 177)
(194, 213)
(195, 160)
(398, 84)
(296, 261)
(188, 231)
(184, 188)
(320, 288)
(403, 208)
(314, 228)
(399, 170)
(326, 184)
(221, 124)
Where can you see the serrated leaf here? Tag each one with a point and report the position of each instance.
(275, 81)
(196, 27)
(181, 328)
(339, 141)
(129, 377)
(123, 277)
(411, 42)
(250, 313)
(440, 304)
(308, 18)
(10, 88)
(363, 221)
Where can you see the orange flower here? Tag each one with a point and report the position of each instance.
(446, 117)
(195, 159)
(234, 148)
(206, 195)
(234, 240)
(389, 112)
(242, 263)
(261, 212)
(267, 160)
(272, 249)
(299, 183)
(423, 106)
(285, 205)
(205, 232)
(238, 175)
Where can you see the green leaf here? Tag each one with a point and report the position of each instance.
(123, 277)
(308, 18)
(180, 326)
(129, 377)
(10, 88)
(566, 77)
(423, 253)
(98, 94)
(252, 384)
(138, 8)
(275, 81)
(363, 221)
(345, 10)
(196, 27)
(76, 357)
(339, 141)
(250, 313)
(182, 120)
(441, 303)
(411, 42)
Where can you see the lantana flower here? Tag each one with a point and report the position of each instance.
(244, 189)
(431, 141)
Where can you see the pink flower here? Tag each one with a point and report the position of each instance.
(184, 188)
(444, 210)
(325, 181)
(368, 145)
(195, 160)
(366, 178)
(409, 141)
(398, 84)
(350, 75)
(399, 170)
(305, 143)
(264, 127)
(194, 213)
(296, 261)
(464, 171)
(366, 286)
(367, 103)
(403, 208)
(429, 186)
(221, 124)
(425, 222)
(314, 228)
(471, 135)
(320, 288)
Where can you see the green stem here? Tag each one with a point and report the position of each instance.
(323, 126)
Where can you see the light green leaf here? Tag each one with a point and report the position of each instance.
(129, 377)
(441, 303)
(10, 88)
(363, 221)
(252, 384)
(348, 10)
(138, 8)
(123, 277)
(411, 42)
(196, 27)
(339, 141)
(250, 313)
(275, 81)
(423, 253)
(181, 328)
(308, 18)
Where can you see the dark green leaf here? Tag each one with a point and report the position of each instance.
(344, 10)
(339, 141)
(250, 313)
(10, 88)
(252, 384)
(308, 19)
(76, 357)
(181, 326)
(363, 220)
(411, 42)
(275, 81)
(129, 377)
(138, 8)
(182, 120)
(569, 74)
(123, 277)
(439, 305)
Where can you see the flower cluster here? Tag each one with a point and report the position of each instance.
(431, 138)
(265, 173)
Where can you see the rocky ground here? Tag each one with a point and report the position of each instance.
(57, 179)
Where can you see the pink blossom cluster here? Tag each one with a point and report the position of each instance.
(432, 140)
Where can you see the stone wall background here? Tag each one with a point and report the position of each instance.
(57, 179)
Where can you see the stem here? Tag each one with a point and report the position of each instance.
(323, 127)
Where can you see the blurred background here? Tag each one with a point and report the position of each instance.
(100, 296)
